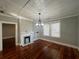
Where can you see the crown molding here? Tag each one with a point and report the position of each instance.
(6, 15)
(55, 19)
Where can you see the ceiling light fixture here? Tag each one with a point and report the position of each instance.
(39, 23)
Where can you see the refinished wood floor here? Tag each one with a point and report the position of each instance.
(40, 49)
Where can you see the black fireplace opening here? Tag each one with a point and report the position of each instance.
(26, 39)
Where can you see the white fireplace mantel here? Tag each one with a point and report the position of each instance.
(24, 34)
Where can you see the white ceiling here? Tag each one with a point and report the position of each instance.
(50, 9)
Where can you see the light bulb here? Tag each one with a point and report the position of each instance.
(37, 24)
(42, 24)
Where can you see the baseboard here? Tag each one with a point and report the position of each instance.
(68, 45)
(26, 44)
(17, 44)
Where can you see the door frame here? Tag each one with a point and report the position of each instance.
(16, 33)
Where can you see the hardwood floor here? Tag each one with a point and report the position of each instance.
(40, 49)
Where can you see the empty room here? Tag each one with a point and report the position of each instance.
(39, 29)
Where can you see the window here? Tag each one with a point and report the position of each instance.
(46, 29)
(52, 30)
(55, 29)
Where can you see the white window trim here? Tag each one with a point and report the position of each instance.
(59, 30)
(50, 34)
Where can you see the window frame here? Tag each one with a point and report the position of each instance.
(58, 35)
(50, 30)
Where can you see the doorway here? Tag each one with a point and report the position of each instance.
(8, 36)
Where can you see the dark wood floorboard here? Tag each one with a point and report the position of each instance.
(40, 49)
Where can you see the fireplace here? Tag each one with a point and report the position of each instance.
(26, 39)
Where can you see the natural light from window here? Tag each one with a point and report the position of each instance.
(52, 29)
(55, 29)
(46, 29)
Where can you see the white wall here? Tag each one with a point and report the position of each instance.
(68, 31)
(26, 26)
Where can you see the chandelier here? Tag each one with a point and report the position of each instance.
(39, 23)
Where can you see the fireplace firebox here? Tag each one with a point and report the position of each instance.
(26, 39)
